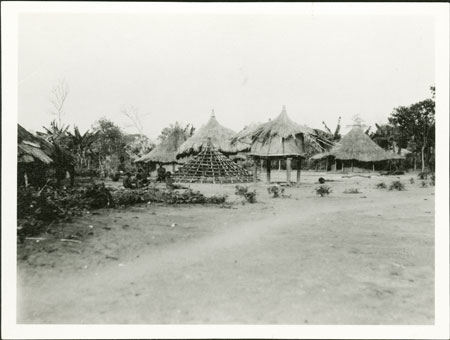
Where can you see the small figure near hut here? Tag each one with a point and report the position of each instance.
(170, 182)
(161, 173)
(128, 182)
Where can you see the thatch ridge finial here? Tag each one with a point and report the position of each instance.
(213, 115)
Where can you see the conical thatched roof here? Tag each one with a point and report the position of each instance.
(219, 135)
(211, 166)
(242, 141)
(166, 151)
(31, 148)
(280, 137)
(358, 146)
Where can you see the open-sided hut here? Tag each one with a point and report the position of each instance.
(357, 146)
(165, 153)
(278, 139)
(211, 166)
(33, 155)
(217, 134)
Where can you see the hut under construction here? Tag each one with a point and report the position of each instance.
(279, 139)
(356, 146)
(211, 166)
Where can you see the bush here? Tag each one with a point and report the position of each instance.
(275, 190)
(381, 185)
(423, 175)
(397, 185)
(423, 184)
(411, 180)
(352, 191)
(250, 196)
(323, 190)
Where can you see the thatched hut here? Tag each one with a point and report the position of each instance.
(165, 152)
(278, 139)
(357, 146)
(34, 154)
(217, 134)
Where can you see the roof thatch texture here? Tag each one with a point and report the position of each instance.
(358, 146)
(242, 141)
(280, 137)
(31, 148)
(166, 151)
(218, 135)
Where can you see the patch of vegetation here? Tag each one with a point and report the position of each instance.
(397, 185)
(381, 185)
(37, 208)
(275, 190)
(323, 190)
(250, 196)
(423, 184)
(432, 180)
(423, 175)
(411, 180)
(352, 191)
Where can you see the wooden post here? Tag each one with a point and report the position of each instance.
(288, 170)
(335, 165)
(255, 171)
(342, 165)
(326, 164)
(352, 166)
(299, 169)
(268, 170)
(25, 177)
(261, 165)
(279, 165)
(173, 167)
(373, 167)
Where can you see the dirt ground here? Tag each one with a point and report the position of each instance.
(364, 258)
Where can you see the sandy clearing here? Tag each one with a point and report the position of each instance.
(342, 259)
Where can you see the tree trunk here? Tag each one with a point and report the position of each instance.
(255, 171)
(423, 158)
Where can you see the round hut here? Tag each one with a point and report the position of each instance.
(357, 146)
(279, 139)
(218, 135)
(165, 153)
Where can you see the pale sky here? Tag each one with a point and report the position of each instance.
(245, 67)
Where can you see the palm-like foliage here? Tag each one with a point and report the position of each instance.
(81, 144)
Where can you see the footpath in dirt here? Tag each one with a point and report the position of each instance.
(364, 258)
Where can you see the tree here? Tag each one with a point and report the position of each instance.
(386, 136)
(416, 127)
(176, 128)
(110, 142)
(58, 99)
(81, 145)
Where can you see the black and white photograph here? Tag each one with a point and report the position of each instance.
(222, 164)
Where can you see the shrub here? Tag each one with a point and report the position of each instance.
(352, 191)
(250, 196)
(275, 190)
(397, 185)
(381, 185)
(423, 184)
(321, 180)
(422, 175)
(323, 190)
(411, 180)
